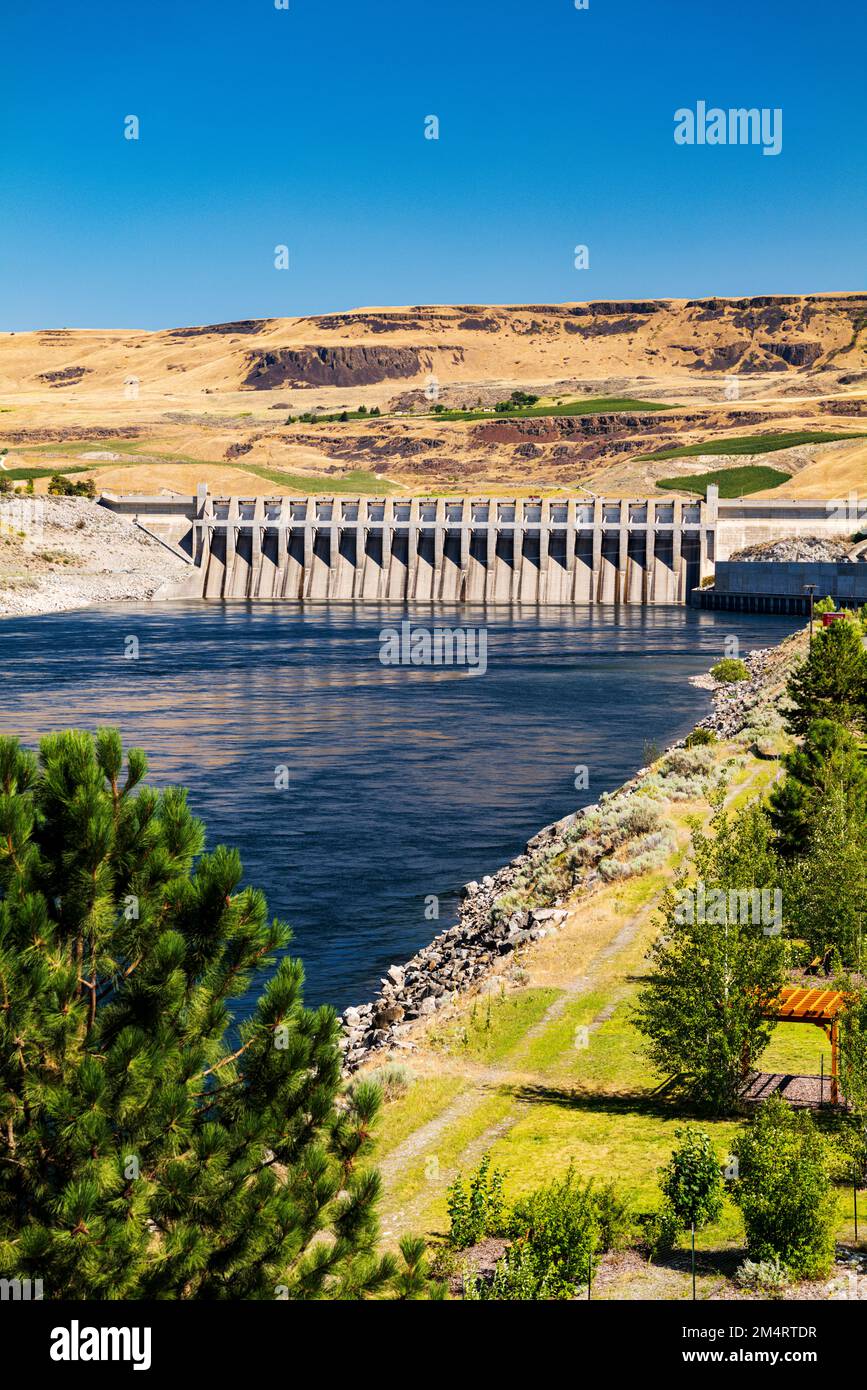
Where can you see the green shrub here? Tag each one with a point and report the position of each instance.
(687, 762)
(517, 1278)
(558, 1234)
(784, 1190)
(691, 1181)
(444, 1262)
(615, 1218)
(645, 854)
(560, 1224)
(763, 1276)
(730, 670)
(393, 1080)
(61, 486)
(662, 1231)
(700, 737)
(478, 1208)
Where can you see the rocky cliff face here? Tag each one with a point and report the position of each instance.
(331, 366)
(474, 342)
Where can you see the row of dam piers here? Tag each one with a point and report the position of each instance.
(485, 551)
(571, 550)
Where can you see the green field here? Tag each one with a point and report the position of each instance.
(23, 475)
(732, 482)
(598, 405)
(752, 444)
(357, 482)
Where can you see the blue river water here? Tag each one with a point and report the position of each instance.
(356, 791)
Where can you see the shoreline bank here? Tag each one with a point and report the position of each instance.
(574, 855)
(61, 554)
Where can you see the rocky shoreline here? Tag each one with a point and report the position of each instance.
(485, 938)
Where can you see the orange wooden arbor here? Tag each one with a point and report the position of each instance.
(821, 1007)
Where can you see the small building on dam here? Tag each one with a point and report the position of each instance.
(575, 550)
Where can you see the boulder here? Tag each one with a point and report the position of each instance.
(384, 1017)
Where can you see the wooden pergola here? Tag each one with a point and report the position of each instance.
(821, 1007)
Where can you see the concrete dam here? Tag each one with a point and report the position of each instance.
(579, 550)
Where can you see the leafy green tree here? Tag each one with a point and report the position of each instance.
(832, 682)
(784, 1190)
(149, 1148)
(829, 757)
(715, 968)
(61, 486)
(826, 890)
(853, 1048)
(691, 1181)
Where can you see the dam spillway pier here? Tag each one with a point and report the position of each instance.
(477, 551)
(576, 550)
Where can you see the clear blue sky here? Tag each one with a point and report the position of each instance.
(306, 127)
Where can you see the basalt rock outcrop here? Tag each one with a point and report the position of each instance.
(350, 365)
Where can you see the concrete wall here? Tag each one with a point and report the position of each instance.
(844, 581)
(468, 549)
(742, 522)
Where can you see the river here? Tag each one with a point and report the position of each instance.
(362, 795)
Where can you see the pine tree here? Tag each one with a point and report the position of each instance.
(148, 1147)
(832, 682)
(830, 757)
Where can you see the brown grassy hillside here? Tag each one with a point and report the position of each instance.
(171, 408)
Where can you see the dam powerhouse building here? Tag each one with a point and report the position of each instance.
(576, 550)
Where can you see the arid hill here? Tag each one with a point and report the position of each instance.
(170, 408)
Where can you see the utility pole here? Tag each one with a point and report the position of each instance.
(810, 591)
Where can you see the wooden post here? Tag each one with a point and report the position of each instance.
(822, 1078)
(835, 1086)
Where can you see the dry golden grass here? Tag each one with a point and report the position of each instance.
(191, 402)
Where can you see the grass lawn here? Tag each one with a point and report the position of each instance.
(422, 1102)
(553, 1072)
(752, 444)
(494, 1025)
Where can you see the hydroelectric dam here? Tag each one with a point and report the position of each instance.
(576, 550)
